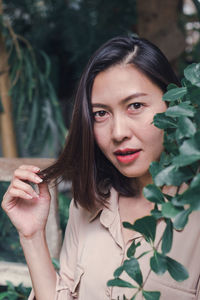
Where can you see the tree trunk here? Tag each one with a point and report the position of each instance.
(158, 22)
(6, 123)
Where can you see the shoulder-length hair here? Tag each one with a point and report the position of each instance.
(81, 161)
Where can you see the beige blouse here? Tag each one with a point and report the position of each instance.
(93, 248)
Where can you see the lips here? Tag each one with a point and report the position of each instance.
(127, 155)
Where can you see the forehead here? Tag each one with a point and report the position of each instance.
(121, 80)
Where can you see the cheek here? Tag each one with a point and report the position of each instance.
(152, 137)
(155, 142)
(100, 138)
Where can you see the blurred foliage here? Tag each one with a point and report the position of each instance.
(11, 292)
(68, 32)
(64, 199)
(192, 50)
(36, 111)
(10, 249)
(179, 164)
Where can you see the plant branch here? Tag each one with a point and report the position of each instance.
(14, 38)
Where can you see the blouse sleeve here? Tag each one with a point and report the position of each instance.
(65, 283)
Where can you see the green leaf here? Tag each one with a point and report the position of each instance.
(176, 270)
(55, 263)
(154, 168)
(191, 195)
(33, 123)
(167, 237)
(8, 295)
(118, 271)
(175, 94)
(186, 128)
(47, 63)
(146, 226)
(172, 176)
(169, 210)
(193, 94)
(151, 295)
(163, 122)
(181, 110)
(131, 250)
(10, 285)
(189, 151)
(134, 297)
(119, 282)
(132, 268)
(158, 263)
(128, 225)
(156, 213)
(153, 193)
(191, 146)
(181, 219)
(172, 86)
(183, 160)
(195, 183)
(192, 73)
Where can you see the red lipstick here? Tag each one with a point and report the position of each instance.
(127, 155)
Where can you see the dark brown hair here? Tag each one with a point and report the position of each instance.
(81, 161)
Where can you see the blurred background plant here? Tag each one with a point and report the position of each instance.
(44, 46)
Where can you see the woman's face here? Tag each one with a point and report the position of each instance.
(124, 103)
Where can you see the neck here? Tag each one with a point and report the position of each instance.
(141, 182)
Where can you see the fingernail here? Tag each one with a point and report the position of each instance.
(38, 179)
(36, 169)
(29, 196)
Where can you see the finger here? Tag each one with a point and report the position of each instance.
(27, 175)
(44, 190)
(19, 194)
(24, 187)
(30, 168)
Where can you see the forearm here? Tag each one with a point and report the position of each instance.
(41, 269)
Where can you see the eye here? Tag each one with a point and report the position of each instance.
(100, 115)
(135, 106)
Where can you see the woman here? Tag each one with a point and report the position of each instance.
(110, 146)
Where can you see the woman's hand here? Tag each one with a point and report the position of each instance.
(27, 210)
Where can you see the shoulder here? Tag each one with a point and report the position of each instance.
(81, 215)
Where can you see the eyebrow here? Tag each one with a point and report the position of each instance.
(132, 96)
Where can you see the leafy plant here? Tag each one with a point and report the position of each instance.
(179, 164)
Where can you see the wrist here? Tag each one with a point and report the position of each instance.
(36, 237)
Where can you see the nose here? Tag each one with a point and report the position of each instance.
(120, 129)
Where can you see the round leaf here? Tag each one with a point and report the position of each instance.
(118, 271)
(163, 122)
(146, 226)
(158, 263)
(181, 110)
(119, 282)
(153, 193)
(181, 219)
(176, 270)
(132, 268)
(175, 94)
(192, 73)
(167, 237)
(151, 295)
(169, 210)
